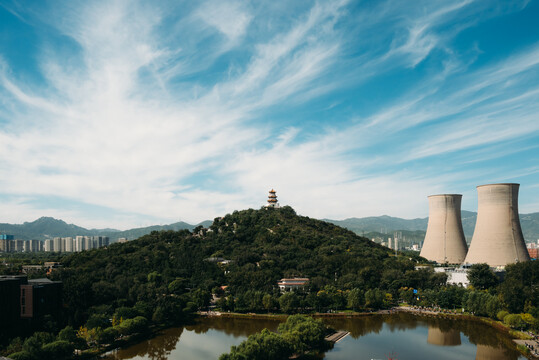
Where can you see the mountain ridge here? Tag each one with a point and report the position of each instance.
(47, 227)
(388, 224)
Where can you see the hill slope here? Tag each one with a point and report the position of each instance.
(262, 245)
(47, 227)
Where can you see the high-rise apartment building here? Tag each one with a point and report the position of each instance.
(68, 244)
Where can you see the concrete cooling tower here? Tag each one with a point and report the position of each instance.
(497, 238)
(444, 240)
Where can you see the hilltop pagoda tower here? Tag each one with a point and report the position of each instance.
(272, 199)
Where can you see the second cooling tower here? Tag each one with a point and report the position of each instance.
(444, 240)
(497, 238)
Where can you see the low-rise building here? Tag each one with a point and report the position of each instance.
(533, 250)
(23, 300)
(9, 303)
(292, 284)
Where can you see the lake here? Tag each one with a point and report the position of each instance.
(400, 336)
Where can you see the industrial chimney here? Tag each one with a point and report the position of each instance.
(497, 238)
(444, 240)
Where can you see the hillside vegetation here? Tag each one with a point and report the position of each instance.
(164, 277)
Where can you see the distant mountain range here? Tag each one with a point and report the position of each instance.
(47, 227)
(387, 225)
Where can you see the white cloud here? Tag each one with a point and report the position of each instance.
(228, 17)
(121, 124)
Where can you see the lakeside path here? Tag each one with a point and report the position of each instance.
(532, 345)
(418, 311)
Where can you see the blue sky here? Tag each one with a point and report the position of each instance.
(126, 113)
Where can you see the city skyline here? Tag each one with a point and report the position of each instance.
(125, 114)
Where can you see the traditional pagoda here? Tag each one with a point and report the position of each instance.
(272, 199)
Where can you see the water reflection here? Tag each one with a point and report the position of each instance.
(487, 352)
(233, 326)
(194, 343)
(375, 336)
(358, 326)
(443, 338)
(158, 348)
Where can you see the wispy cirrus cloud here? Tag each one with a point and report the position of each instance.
(148, 112)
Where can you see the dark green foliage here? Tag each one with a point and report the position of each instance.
(298, 335)
(303, 333)
(374, 299)
(481, 277)
(289, 302)
(15, 346)
(265, 345)
(131, 326)
(501, 315)
(520, 288)
(514, 321)
(22, 355)
(482, 303)
(356, 299)
(450, 297)
(97, 320)
(67, 334)
(58, 350)
(125, 312)
(134, 278)
(164, 275)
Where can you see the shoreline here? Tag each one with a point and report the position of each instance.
(517, 337)
(513, 334)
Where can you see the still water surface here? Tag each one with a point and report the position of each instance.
(402, 336)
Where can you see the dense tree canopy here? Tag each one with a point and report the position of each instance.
(298, 335)
(164, 277)
(481, 277)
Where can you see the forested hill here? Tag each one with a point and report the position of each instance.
(263, 246)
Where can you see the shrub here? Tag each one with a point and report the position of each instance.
(514, 321)
(502, 314)
(21, 355)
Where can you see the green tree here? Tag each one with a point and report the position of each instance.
(299, 334)
(481, 277)
(289, 302)
(68, 334)
(501, 315)
(201, 298)
(265, 345)
(268, 301)
(514, 321)
(22, 355)
(177, 286)
(374, 298)
(304, 333)
(356, 299)
(58, 350)
(97, 320)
